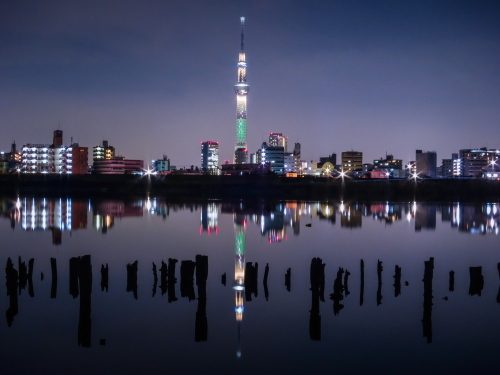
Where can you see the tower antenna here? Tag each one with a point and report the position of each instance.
(242, 19)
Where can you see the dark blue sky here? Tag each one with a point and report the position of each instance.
(156, 77)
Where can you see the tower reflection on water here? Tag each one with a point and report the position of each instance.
(239, 273)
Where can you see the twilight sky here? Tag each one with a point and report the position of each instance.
(155, 77)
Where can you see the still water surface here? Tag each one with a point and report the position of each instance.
(62, 314)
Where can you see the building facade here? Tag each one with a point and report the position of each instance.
(10, 161)
(329, 159)
(71, 159)
(277, 140)
(447, 167)
(473, 162)
(426, 164)
(289, 163)
(272, 156)
(37, 158)
(352, 160)
(297, 159)
(391, 165)
(118, 165)
(54, 158)
(104, 151)
(210, 156)
(162, 165)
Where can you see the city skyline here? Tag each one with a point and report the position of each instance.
(375, 77)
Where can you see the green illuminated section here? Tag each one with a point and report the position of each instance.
(241, 131)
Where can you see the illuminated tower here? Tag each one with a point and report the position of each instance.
(241, 89)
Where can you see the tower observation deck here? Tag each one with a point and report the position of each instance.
(241, 89)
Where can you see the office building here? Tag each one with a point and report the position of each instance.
(161, 166)
(352, 160)
(277, 140)
(274, 157)
(118, 165)
(210, 156)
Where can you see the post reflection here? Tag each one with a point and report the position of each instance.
(80, 286)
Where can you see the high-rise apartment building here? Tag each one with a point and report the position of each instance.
(37, 158)
(54, 158)
(426, 164)
(210, 156)
(71, 159)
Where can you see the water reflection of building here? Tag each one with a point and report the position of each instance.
(351, 215)
(425, 217)
(293, 211)
(209, 218)
(157, 207)
(239, 272)
(477, 219)
(56, 215)
(271, 223)
(326, 211)
(387, 212)
(105, 212)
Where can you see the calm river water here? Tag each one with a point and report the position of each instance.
(150, 287)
